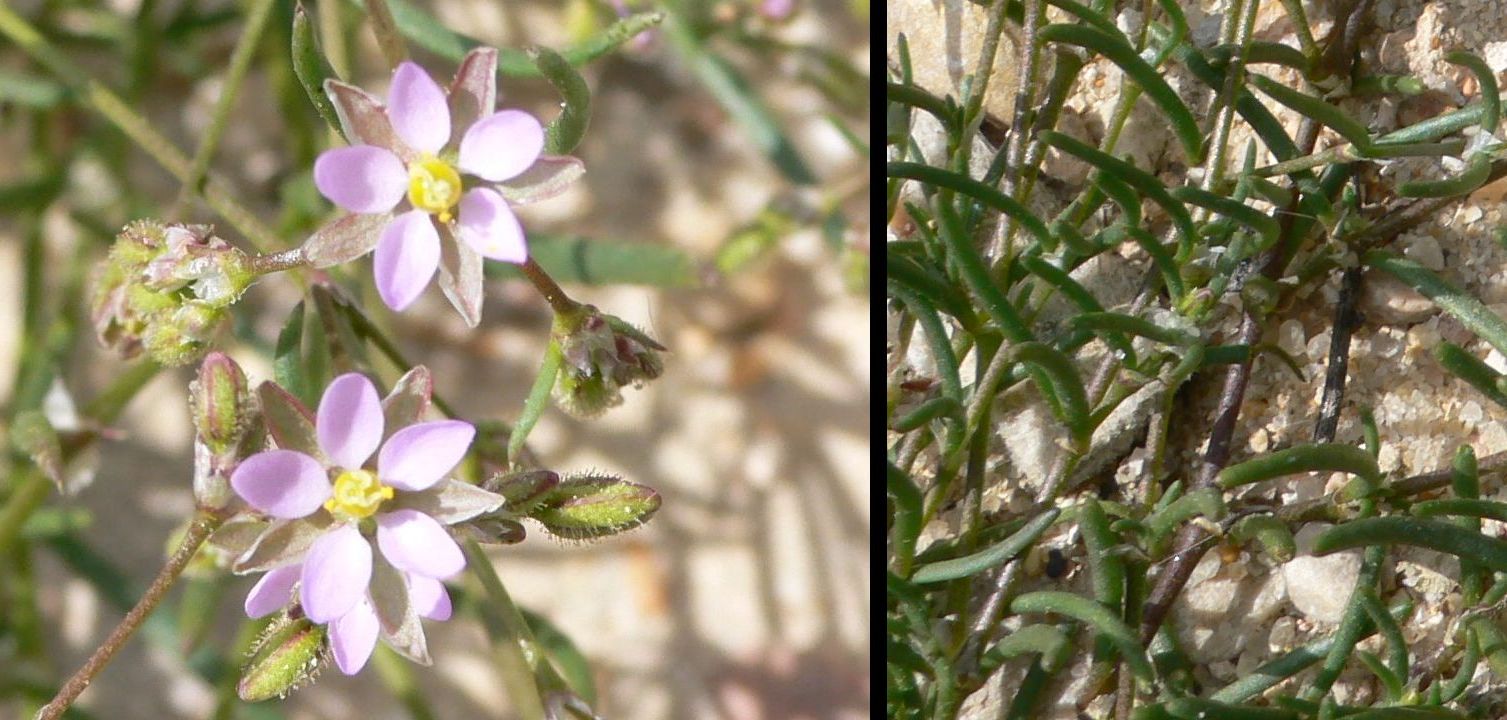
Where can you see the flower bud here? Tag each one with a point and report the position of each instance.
(601, 353)
(221, 401)
(594, 506)
(290, 653)
(164, 289)
(522, 491)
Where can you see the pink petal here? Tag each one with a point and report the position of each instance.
(429, 597)
(416, 106)
(417, 543)
(282, 483)
(407, 256)
(501, 145)
(353, 637)
(420, 455)
(361, 178)
(272, 592)
(335, 574)
(349, 422)
(488, 225)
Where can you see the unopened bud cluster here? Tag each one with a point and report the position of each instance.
(164, 289)
(601, 354)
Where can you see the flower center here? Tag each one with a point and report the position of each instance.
(433, 186)
(357, 494)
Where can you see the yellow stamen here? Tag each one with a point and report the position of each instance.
(357, 494)
(433, 186)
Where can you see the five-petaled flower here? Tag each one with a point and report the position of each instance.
(345, 502)
(443, 153)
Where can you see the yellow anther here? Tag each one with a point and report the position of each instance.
(357, 494)
(433, 186)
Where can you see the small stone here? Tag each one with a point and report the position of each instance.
(945, 39)
(1385, 300)
(1320, 587)
(1424, 250)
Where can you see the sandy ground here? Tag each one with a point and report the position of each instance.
(747, 596)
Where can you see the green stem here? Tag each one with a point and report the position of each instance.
(518, 653)
(197, 533)
(546, 285)
(278, 261)
(240, 62)
(537, 401)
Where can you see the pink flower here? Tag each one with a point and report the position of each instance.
(340, 502)
(426, 165)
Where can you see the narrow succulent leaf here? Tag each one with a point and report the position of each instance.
(989, 557)
(1259, 52)
(933, 409)
(1059, 382)
(1206, 502)
(427, 32)
(1037, 639)
(287, 356)
(1136, 177)
(732, 91)
(1134, 325)
(1436, 535)
(1264, 225)
(1094, 615)
(590, 261)
(1295, 661)
(1273, 535)
(1477, 172)
(962, 184)
(1458, 303)
(548, 177)
(1327, 457)
(344, 239)
(563, 654)
(1486, 78)
(1123, 195)
(1184, 126)
(311, 68)
(1316, 109)
(1466, 507)
(564, 132)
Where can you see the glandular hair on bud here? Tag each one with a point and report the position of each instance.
(288, 655)
(591, 506)
(221, 401)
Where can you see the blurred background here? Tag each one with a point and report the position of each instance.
(724, 150)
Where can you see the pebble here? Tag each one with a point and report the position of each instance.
(1385, 300)
(945, 38)
(1320, 587)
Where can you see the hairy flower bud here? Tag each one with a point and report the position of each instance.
(290, 652)
(601, 353)
(221, 401)
(164, 289)
(593, 506)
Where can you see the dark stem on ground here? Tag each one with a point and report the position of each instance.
(1345, 322)
(1188, 546)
